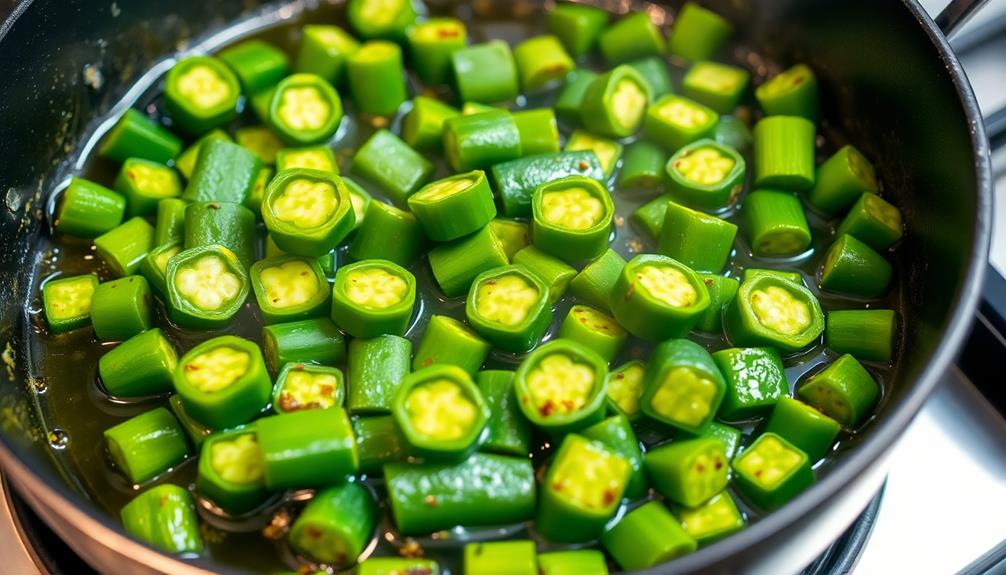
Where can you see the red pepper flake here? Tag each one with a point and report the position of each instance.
(447, 33)
(130, 174)
(191, 367)
(428, 362)
(609, 496)
(797, 81)
(583, 165)
(547, 408)
(719, 464)
(303, 274)
(299, 367)
(619, 376)
(288, 402)
(708, 282)
(757, 473)
(677, 165)
(430, 501)
(314, 533)
(491, 282)
(327, 390)
(568, 403)
(558, 486)
(699, 467)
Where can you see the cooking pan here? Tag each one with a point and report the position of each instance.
(888, 77)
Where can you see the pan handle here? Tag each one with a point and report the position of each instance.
(956, 14)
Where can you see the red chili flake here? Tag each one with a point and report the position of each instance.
(677, 165)
(130, 174)
(584, 320)
(303, 274)
(619, 376)
(609, 496)
(797, 81)
(299, 367)
(275, 299)
(558, 486)
(719, 464)
(430, 501)
(583, 165)
(700, 468)
(314, 533)
(428, 362)
(757, 473)
(708, 282)
(491, 282)
(546, 409)
(191, 367)
(447, 33)
(213, 206)
(288, 402)
(327, 390)
(570, 406)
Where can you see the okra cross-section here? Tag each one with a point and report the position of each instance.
(684, 388)
(705, 174)
(594, 329)
(716, 85)
(372, 298)
(581, 490)
(792, 92)
(509, 307)
(223, 381)
(454, 206)
(307, 212)
(844, 391)
(289, 288)
(771, 471)
(625, 389)
(305, 109)
(657, 297)
(206, 287)
(67, 302)
(770, 310)
(308, 386)
(201, 93)
(713, 520)
(562, 386)
(440, 412)
(689, 471)
(572, 218)
(615, 102)
(674, 122)
(231, 470)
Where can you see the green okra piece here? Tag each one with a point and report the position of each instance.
(472, 108)
(306, 386)
(515, 557)
(479, 141)
(256, 64)
(853, 268)
(841, 180)
(649, 217)
(323, 51)
(307, 212)
(67, 302)
(771, 471)
(607, 151)
(307, 448)
(630, 38)
(170, 222)
(231, 471)
(336, 527)
(221, 224)
(379, 442)
(423, 126)
(784, 153)
(142, 365)
(713, 520)
(656, 297)
(642, 166)
(615, 102)
(577, 26)
(873, 221)
(147, 445)
(689, 472)
(675, 121)
(734, 132)
(485, 73)
(312, 157)
(135, 135)
(696, 239)
(164, 517)
(792, 92)
(574, 562)
(616, 434)
(595, 283)
(562, 386)
(772, 311)
(515, 181)
(455, 265)
(186, 161)
(684, 388)
(397, 566)
(289, 288)
(206, 287)
(594, 329)
(223, 172)
(431, 45)
(389, 162)
(372, 298)
(805, 427)
(719, 86)
(144, 183)
(729, 436)
(121, 308)
(540, 60)
(87, 209)
(376, 368)
(155, 267)
(722, 291)
(305, 109)
(389, 233)
(509, 433)
(646, 536)
(654, 70)
(582, 489)
(261, 141)
(223, 382)
(777, 226)
(844, 391)
(509, 307)
(485, 489)
(556, 273)
(866, 334)
(386, 19)
(705, 174)
(201, 93)
(625, 389)
(360, 200)
(315, 340)
(196, 432)
(449, 341)
(573, 218)
(793, 276)
(756, 380)
(569, 103)
(124, 247)
(454, 206)
(441, 413)
(539, 131)
(698, 33)
(513, 235)
(376, 74)
(261, 102)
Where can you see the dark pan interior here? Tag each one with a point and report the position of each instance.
(884, 79)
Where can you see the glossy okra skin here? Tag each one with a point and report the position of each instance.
(509, 307)
(376, 368)
(646, 536)
(705, 175)
(454, 206)
(360, 199)
(513, 235)
(307, 212)
(572, 562)
(323, 51)
(261, 141)
(642, 165)
(449, 341)
(455, 265)
(257, 64)
(615, 102)
(515, 557)
(684, 388)
(716, 85)
(67, 302)
(431, 45)
(572, 218)
(319, 157)
(135, 135)
(87, 209)
(144, 183)
(608, 151)
(170, 221)
(772, 471)
(201, 93)
(186, 161)
(657, 297)
(722, 290)
(381, 19)
(784, 153)
(508, 432)
(397, 566)
(124, 247)
(867, 334)
(540, 60)
(515, 181)
(289, 288)
(379, 442)
(372, 298)
(485, 489)
(222, 224)
(844, 391)
(654, 70)
(632, 37)
(689, 471)
(594, 329)
(626, 385)
(777, 226)
(309, 448)
(485, 73)
(729, 436)
(196, 432)
(755, 378)
(556, 273)
(792, 92)
(388, 233)
(569, 103)
(595, 283)
(147, 445)
(853, 268)
(480, 141)
(140, 366)
(302, 386)
(539, 131)
(790, 275)
(423, 126)
(337, 525)
(698, 33)
(577, 26)
(874, 221)
(389, 162)
(841, 179)
(803, 426)
(164, 517)
(674, 122)
(223, 381)
(231, 470)
(315, 340)
(696, 239)
(562, 386)
(770, 310)
(206, 287)
(121, 309)
(713, 520)
(616, 434)
(305, 109)
(155, 266)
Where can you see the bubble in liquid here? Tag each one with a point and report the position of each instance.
(58, 439)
